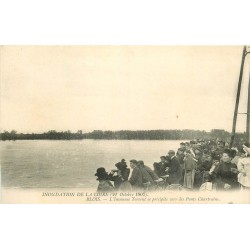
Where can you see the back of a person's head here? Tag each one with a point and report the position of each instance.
(123, 163)
(140, 163)
(171, 152)
(228, 152)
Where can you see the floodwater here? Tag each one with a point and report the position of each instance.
(71, 164)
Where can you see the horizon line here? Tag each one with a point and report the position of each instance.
(136, 130)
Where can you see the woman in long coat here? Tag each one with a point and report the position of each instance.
(189, 168)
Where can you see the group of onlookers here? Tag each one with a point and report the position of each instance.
(197, 165)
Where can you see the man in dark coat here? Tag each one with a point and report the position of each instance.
(163, 165)
(148, 175)
(136, 176)
(174, 171)
(180, 157)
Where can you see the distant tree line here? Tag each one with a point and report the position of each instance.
(186, 134)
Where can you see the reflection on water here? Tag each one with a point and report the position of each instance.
(69, 164)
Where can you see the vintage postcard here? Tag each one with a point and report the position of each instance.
(125, 124)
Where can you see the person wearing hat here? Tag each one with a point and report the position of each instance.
(174, 171)
(121, 177)
(104, 183)
(115, 176)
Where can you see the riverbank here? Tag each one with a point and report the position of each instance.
(173, 134)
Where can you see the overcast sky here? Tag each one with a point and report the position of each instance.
(120, 87)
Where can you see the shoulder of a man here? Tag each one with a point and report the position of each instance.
(175, 160)
(136, 170)
(147, 168)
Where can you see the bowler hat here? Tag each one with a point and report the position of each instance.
(119, 165)
(101, 173)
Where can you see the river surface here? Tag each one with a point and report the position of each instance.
(71, 164)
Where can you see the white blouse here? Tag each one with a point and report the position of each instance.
(244, 169)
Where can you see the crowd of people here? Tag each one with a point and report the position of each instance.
(197, 165)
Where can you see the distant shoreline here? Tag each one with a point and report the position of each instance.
(158, 135)
(98, 139)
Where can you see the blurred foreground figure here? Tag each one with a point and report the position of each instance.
(104, 183)
(244, 169)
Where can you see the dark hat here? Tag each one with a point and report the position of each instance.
(100, 171)
(124, 164)
(121, 165)
(163, 157)
(101, 174)
(118, 165)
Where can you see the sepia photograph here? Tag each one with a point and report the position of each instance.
(125, 124)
